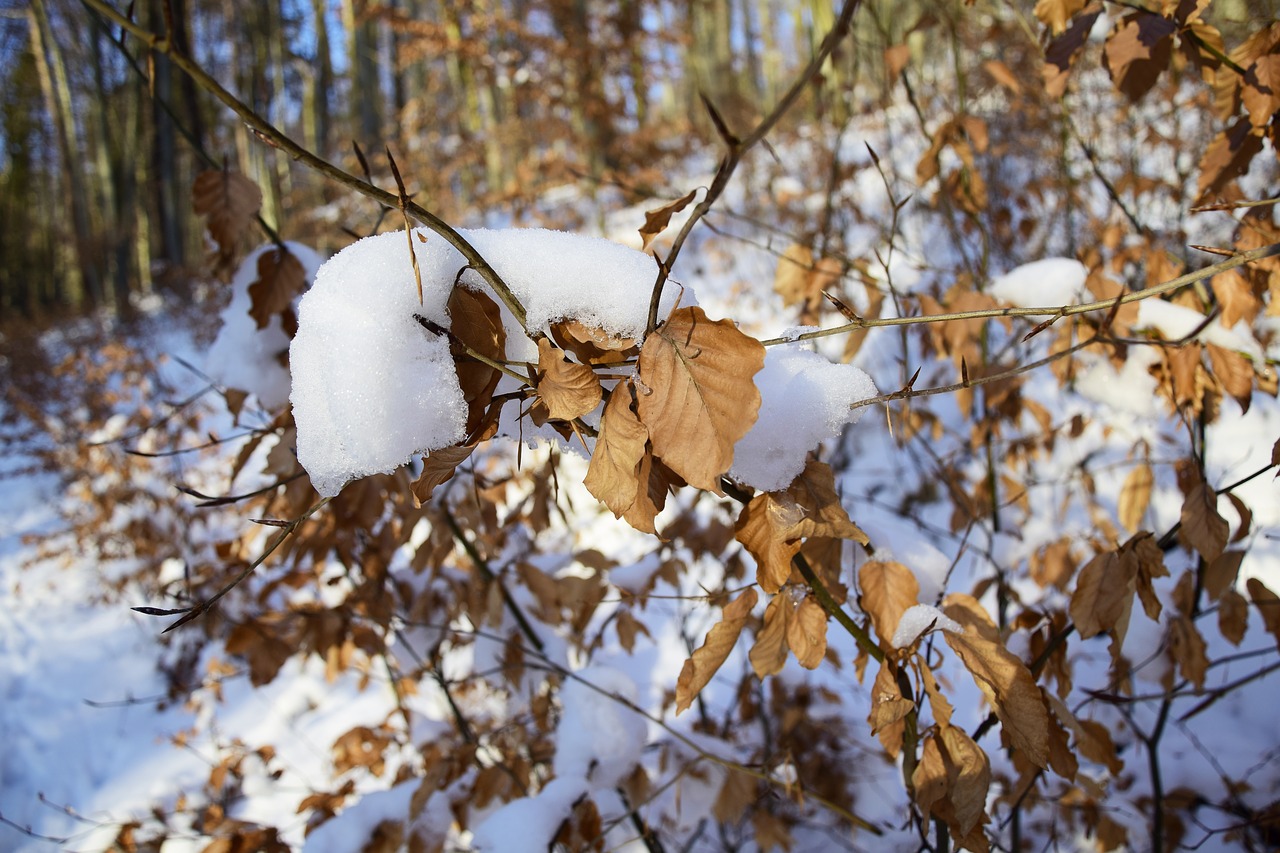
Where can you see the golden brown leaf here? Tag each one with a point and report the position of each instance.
(1061, 53)
(475, 321)
(229, 201)
(592, 345)
(614, 473)
(769, 653)
(1055, 14)
(651, 497)
(1227, 158)
(969, 777)
(1003, 75)
(1188, 649)
(1135, 496)
(1104, 595)
(738, 792)
(1236, 297)
(888, 708)
(1268, 604)
(1233, 616)
(438, 468)
(942, 709)
(1010, 689)
(1260, 90)
(1137, 50)
(807, 633)
(1203, 528)
(1150, 558)
(930, 776)
(967, 610)
(697, 396)
(1061, 758)
(794, 272)
(657, 220)
(1220, 575)
(281, 278)
(710, 656)
(888, 589)
(569, 389)
(1234, 372)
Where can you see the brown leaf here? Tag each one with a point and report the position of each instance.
(569, 389)
(1055, 14)
(1150, 559)
(476, 321)
(1103, 596)
(698, 397)
(1135, 496)
(938, 704)
(1227, 158)
(1062, 52)
(657, 220)
(1220, 575)
(1137, 51)
(710, 656)
(592, 345)
(769, 654)
(651, 497)
(969, 775)
(1268, 605)
(1260, 90)
(792, 277)
(888, 589)
(930, 776)
(614, 473)
(281, 278)
(967, 610)
(1234, 372)
(438, 468)
(1061, 758)
(1188, 649)
(1203, 528)
(1010, 689)
(738, 792)
(1246, 517)
(888, 708)
(229, 201)
(1233, 616)
(1003, 75)
(807, 633)
(1235, 296)
(896, 58)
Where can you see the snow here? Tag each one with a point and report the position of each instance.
(1176, 322)
(1045, 283)
(530, 823)
(244, 356)
(920, 618)
(598, 738)
(372, 387)
(804, 400)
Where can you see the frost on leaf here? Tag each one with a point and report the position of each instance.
(701, 398)
(710, 656)
(1010, 689)
(568, 389)
(229, 201)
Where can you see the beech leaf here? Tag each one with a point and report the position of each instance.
(888, 589)
(969, 773)
(1137, 51)
(281, 279)
(1010, 689)
(1268, 604)
(568, 389)
(657, 220)
(614, 473)
(476, 321)
(807, 633)
(1135, 496)
(590, 344)
(710, 656)
(769, 653)
(1203, 528)
(700, 395)
(888, 708)
(438, 468)
(229, 201)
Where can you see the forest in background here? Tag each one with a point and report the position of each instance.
(932, 147)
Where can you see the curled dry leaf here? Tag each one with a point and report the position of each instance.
(1189, 651)
(475, 323)
(888, 589)
(1233, 371)
(807, 633)
(229, 201)
(1268, 604)
(592, 345)
(1233, 616)
(1203, 528)
(614, 473)
(1062, 52)
(710, 656)
(1010, 689)
(769, 653)
(1103, 598)
(281, 279)
(568, 389)
(657, 220)
(969, 777)
(700, 395)
(888, 708)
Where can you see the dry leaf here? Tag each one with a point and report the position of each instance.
(651, 497)
(1227, 158)
(1234, 371)
(1062, 52)
(1233, 616)
(1137, 51)
(769, 653)
(568, 389)
(930, 776)
(1055, 14)
(1260, 90)
(938, 704)
(807, 633)
(1188, 649)
(1268, 605)
(438, 468)
(656, 221)
(888, 589)
(1220, 575)
(896, 58)
(1010, 689)
(614, 473)
(888, 708)
(475, 321)
(1203, 528)
(698, 397)
(1135, 496)
(1104, 595)
(969, 775)
(229, 201)
(1003, 75)
(737, 794)
(967, 610)
(281, 279)
(710, 656)
(794, 273)
(590, 344)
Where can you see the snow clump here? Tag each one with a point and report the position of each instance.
(918, 619)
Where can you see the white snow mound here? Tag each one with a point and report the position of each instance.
(1041, 284)
(918, 619)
